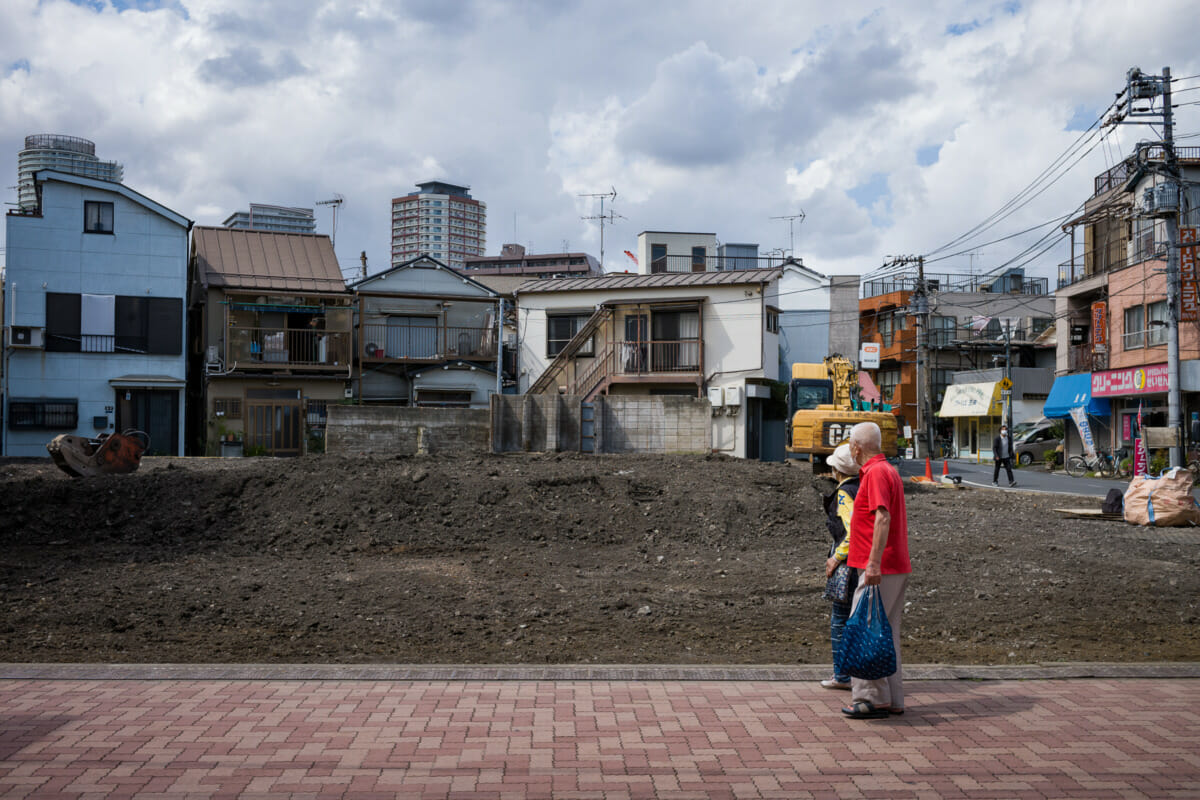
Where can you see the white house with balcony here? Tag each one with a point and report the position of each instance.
(94, 316)
(703, 334)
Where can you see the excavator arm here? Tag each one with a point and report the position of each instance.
(108, 454)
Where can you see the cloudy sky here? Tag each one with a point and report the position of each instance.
(895, 128)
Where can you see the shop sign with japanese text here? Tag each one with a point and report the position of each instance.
(1189, 277)
(1100, 323)
(1134, 380)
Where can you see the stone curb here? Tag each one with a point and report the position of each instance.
(575, 672)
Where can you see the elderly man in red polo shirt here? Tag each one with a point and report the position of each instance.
(879, 551)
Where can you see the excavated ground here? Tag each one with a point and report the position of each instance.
(550, 559)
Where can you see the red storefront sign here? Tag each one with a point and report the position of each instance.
(1100, 323)
(1189, 277)
(1134, 380)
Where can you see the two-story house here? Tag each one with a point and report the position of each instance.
(659, 334)
(94, 316)
(272, 330)
(427, 336)
(1112, 301)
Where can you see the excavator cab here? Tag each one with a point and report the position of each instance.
(107, 454)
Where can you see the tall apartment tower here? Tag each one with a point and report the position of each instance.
(441, 220)
(68, 154)
(263, 217)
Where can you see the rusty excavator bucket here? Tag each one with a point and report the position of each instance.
(108, 454)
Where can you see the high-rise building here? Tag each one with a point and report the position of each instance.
(68, 154)
(263, 217)
(441, 220)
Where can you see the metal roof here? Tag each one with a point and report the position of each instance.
(249, 259)
(629, 280)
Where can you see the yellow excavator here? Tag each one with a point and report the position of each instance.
(823, 406)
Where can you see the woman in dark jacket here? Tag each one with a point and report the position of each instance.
(839, 505)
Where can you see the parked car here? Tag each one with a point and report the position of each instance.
(1033, 444)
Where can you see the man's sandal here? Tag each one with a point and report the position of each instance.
(863, 709)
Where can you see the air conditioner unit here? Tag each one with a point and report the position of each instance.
(26, 336)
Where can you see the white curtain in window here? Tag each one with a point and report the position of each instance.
(689, 325)
(97, 323)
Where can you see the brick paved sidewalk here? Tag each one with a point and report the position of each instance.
(1093, 738)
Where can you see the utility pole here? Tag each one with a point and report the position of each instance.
(1139, 86)
(611, 217)
(1006, 392)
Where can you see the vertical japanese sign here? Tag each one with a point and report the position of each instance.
(1100, 325)
(1189, 279)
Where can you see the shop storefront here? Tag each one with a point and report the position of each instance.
(1071, 398)
(977, 412)
(1128, 390)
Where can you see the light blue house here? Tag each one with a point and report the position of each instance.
(94, 316)
(428, 336)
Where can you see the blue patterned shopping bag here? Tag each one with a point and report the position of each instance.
(867, 650)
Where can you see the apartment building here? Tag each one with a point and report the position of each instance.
(70, 155)
(263, 217)
(440, 220)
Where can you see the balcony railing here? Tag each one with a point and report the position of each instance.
(1081, 358)
(382, 342)
(1012, 284)
(698, 263)
(286, 348)
(1119, 173)
(1073, 271)
(952, 337)
(666, 360)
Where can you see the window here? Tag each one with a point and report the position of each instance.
(886, 321)
(1135, 328)
(97, 217)
(105, 324)
(43, 414)
(658, 258)
(227, 407)
(772, 321)
(1143, 238)
(561, 328)
(1156, 329)
(888, 380)
(699, 256)
(941, 331)
(444, 398)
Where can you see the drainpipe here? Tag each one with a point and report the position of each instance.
(11, 290)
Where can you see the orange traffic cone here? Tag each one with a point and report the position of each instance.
(945, 468)
(928, 470)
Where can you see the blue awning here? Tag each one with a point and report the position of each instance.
(1073, 391)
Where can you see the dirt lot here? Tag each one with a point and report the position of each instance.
(550, 559)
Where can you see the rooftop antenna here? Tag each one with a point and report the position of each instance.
(335, 201)
(791, 218)
(611, 217)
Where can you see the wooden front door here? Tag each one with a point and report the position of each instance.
(274, 421)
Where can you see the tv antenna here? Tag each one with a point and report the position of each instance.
(611, 217)
(335, 201)
(791, 218)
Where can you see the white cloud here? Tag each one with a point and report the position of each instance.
(703, 116)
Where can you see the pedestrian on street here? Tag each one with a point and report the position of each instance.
(1002, 453)
(879, 551)
(839, 507)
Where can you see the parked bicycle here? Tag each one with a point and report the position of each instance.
(1102, 464)
(1123, 462)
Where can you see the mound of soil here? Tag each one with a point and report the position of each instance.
(550, 559)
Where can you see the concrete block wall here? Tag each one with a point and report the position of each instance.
(663, 424)
(404, 431)
(535, 423)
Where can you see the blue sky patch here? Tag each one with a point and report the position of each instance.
(1011, 8)
(962, 28)
(120, 5)
(1082, 119)
(868, 193)
(928, 155)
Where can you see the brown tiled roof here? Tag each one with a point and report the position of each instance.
(630, 280)
(246, 259)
